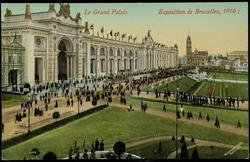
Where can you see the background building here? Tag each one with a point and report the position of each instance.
(196, 58)
(58, 46)
(238, 60)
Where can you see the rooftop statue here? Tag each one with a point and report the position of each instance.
(64, 10)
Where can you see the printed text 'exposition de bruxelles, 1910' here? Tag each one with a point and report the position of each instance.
(199, 11)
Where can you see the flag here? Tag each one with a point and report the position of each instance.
(102, 30)
(129, 37)
(123, 36)
(135, 39)
(91, 27)
(111, 33)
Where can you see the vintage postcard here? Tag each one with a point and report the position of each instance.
(124, 81)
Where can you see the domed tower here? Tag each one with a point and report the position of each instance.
(189, 46)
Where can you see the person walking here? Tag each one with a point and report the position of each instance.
(238, 124)
(101, 146)
(96, 145)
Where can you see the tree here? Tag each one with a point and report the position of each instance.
(160, 147)
(217, 123)
(119, 148)
(56, 115)
(184, 151)
(195, 154)
(50, 156)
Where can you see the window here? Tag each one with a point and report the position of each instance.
(92, 65)
(111, 52)
(102, 65)
(92, 51)
(38, 41)
(125, 53)
(13, 59)
(118, 64)
(125, 64)
(102, 51)
(118, 53)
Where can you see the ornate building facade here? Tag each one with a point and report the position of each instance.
(196, 58)
(60, 47)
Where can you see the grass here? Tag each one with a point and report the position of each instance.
(149, 150)
(205, 152)
(228, 75)
(10, 100)
(220, 90)
(184, 83)
(113, 124)
(225, 116)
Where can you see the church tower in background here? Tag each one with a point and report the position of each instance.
(188, 48)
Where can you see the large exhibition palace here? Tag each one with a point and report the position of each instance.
(51, 46)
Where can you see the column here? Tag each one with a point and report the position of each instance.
(107, 61)
(68, 66)
(29, 66)
(71, 67)
(98, 62)
(134, 62)
(115, 62)
(88, 59)
(122, 59)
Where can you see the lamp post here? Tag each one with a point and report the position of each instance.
(29, 99)
(176, 128)
(78, 98)
(78, 104)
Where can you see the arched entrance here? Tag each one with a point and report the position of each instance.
(64, 60)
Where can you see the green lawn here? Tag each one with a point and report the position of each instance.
(113, 124)
(225, 116)
(220, 90)
(205, 152)
(149, 150)
(228, 75)
(184, 83)
(10, 100)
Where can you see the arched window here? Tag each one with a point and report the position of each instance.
(92, 51)
(111, 52)
(131, 54)
(118, 53)
(102, 51)
(125, 53)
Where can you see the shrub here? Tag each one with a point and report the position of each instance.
(119, 148)
(50, 156)
(56, 115)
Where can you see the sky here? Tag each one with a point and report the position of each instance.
(216, 33)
